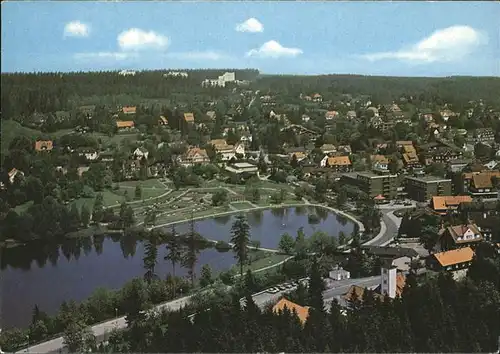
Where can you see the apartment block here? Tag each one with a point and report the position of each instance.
(372, 184)
(422, 189)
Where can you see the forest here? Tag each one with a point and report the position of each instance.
(24, 94)
(434, 314)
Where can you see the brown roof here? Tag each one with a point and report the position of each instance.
(129, 109)
(400, 283)
(379, 159)
(189, 117)
(316, 95)
(470, 175)
(301, 311)
(409, 149)
(339, 161)
(358, 292)
(460, 255)
(457, 232)
(410, 158)
(331, 114)
(41, 145)
(196, 151)
(299, 155)
(482, 180)
(124, 124)
(217, 142)
(379, 197)
(445, 202)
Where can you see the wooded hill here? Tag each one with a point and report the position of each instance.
(23, 94)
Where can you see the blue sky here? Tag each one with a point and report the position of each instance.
(372, 38)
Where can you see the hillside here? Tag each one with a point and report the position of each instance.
(11, 129)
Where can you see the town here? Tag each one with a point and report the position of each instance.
(250, 177)
(417, 176)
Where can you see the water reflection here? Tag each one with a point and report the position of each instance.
(49, 273)
(300, 210)
(278, 212)
(222, 220)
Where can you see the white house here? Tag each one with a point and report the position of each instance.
(90, 155)
(140, 153)
(305, 118)
(13, 173)
(339, 274)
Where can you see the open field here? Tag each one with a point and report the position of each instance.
(183, 214)
(269, 260)
(149, 183)
(241, 205)
(23, 207)
(115, 139)
(11, 129)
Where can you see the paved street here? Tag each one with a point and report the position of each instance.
(102, 329)
(340, 288)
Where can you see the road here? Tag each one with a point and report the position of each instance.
(388, 229)
(339, 289)
(101, 330)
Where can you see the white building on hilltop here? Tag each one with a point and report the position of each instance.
(182, 74)
(127, 73)
(220, 81)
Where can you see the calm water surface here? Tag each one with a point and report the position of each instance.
(47, 277)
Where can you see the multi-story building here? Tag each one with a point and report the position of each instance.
(372, 184)
(424, 188)
(481, 184)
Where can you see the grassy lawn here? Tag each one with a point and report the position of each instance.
(241, 205)
(149, 183)
(11, 129)
(270, 259)
(23, 207)
(115, 139)
(186, 214)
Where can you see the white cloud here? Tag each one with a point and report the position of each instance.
(203, 55)
(273, 49)
(117, 56)
(444, 45)
(250, 25)
(76, 29)
(136, 39)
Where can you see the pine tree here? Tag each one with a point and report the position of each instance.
(316, 287)
(85, 216)
(175, 253)
(240, 238)
(98, 210)
(190, 257)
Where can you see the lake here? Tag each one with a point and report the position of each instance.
(47, 275)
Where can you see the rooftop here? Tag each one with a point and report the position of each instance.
(429, 179)
(301, 311)
(453, 257)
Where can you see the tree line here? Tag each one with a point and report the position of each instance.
(433, 314)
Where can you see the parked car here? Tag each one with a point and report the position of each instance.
(273, 290)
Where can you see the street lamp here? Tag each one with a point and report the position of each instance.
(28, 337)
(116, 317)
